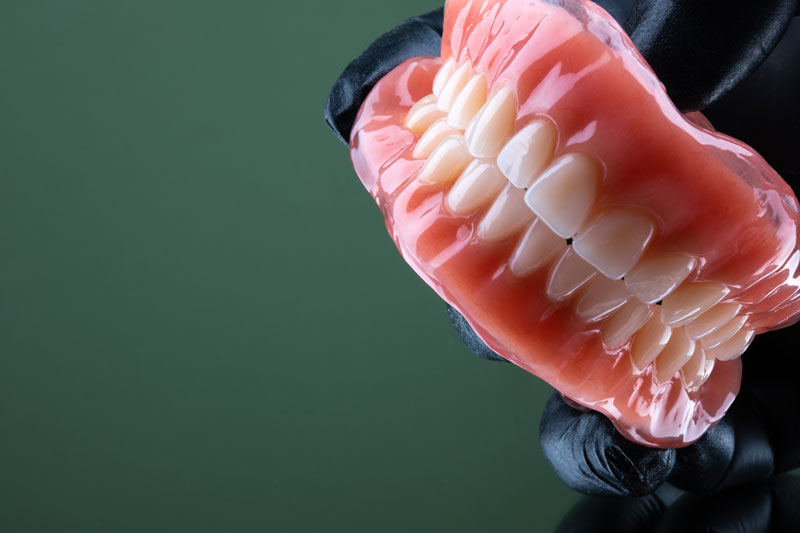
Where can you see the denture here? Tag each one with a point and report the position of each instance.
(539, 179)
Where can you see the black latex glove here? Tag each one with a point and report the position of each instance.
(761, 506)
(699, 53)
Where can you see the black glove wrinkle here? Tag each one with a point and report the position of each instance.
(470, 338)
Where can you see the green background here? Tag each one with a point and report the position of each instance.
(203, 323)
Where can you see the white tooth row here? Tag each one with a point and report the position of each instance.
(466, 139)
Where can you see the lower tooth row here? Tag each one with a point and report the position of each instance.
(522, 187)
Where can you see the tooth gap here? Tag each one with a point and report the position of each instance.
(569, 241)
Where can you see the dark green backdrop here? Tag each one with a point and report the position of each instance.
(203, 324)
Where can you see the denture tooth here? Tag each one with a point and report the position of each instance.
(714, 318)
(469, 101)
(697, 369)
(724, 333)
(602, 297)
(423, 114)
(443, 75)
(446, 162)
(507, 215)
(537, 246)
(656, 277)
(477, 186)
(568, 275)
(649, 341)
(432, 138)
(614, 241)
(690, 300)
(454, 86)
(564, 193)
(625, 322)
(489, 129)
(675, 354)
(734, 347)
(528, 152)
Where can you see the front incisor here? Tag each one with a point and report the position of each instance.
(528, 152)
(568, 275)
(507, 215)
(538, 246)
(614, 241)
(600, 298)
(690, 300)
(654, 278)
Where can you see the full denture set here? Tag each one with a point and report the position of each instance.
(539, 179)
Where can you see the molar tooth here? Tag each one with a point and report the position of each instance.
(734, 347)
(432, 138)
(507, 215)
(564, 193)
(675, 354)
(724, 333)
(469, 101)
(717, 316)
(477, 186)
(446, 162)
(649, 342)
(614, 241)
(423, 114)
(536, 247)
(489, 129)
(656, 277)
(602, 297)
(528, 152)
(697, 369)
(443, 75)
(454, 86)
(624, 323)
(568, 275)
(690, 300)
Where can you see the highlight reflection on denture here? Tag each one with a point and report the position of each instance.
(542, 200)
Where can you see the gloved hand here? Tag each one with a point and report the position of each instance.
(703, 52)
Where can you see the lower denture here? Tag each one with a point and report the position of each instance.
(587, 231)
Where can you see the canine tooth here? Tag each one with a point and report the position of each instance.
(489, 129)
(454, 86)
(649, 341)
(614, 241)
(507, 215)
(724, 333)
(569, 274)
(423, 114)
(564, 193)
(675, 354)
(538, 245)
(446, 162)
(477, 186)
(691, 300)
(697, 369)
(528, 152)
(446, 70)
(625, 322)
(602, 297)
(734, 347)
(717, 316)
(432, 138)
(469, 101)
(655, 277)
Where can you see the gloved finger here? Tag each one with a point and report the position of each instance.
(597, 514)
(590, 455)
(701, 50)
(763, 506)
(470, 338)
(418, 36)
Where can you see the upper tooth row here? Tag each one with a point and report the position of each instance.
(525, 187)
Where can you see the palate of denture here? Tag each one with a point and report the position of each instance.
(675, 355)
(488, 130)
(478, 185)
(656, 277)
(690, 300)
(614, 241)
(620, 252)
(528, 152)
(537, 247)
(564, 193)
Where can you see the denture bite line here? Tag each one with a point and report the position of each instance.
(597, 263)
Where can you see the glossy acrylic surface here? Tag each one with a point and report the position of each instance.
(709, 196)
